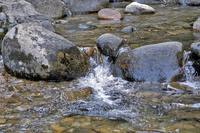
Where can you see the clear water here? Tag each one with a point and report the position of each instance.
(100, 102)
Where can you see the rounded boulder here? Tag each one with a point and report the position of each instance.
(109, 44)
(110, 14)
(30, 51)
(137, 8)
(151, 63)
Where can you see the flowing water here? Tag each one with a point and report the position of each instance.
(100, 102)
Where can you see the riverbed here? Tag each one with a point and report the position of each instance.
(100, 102)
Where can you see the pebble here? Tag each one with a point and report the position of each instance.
(110, 14)
(2, 121)
(86, 125)
(14, 116)
(108, 129)
(3, 79)
(62, 22)
(23, 108)
(66, 122)
(89, 51)
(76, 124)
(57, 128)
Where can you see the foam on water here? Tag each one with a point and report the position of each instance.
(101, 80)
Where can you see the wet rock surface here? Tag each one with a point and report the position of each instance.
(127, 30)
(195, 50)
(109, 44)
(151, 63)
(137, 8)
(196, 25)
(85, 6)
(50, 8)
(20, 11)
(33, 52)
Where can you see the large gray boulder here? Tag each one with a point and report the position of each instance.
(85, 6)
(196, 25)
(109, 44)
(33, 52)
(189, 2)
(151, 63)
(50, 8)
(137, 8)
(20, 11)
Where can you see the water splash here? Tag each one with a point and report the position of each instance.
(101, 80)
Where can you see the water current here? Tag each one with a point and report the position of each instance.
(100, 102)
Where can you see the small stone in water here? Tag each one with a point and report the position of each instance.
(14, 116)
(89, 51)
(57, 128)
(76, 124)
(61, 21)
(23, 107)
(70, 31)
(2, 121)
(3, 79)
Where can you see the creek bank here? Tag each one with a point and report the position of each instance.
(151, 63)
(31, 51)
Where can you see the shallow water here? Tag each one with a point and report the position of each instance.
(100, 102)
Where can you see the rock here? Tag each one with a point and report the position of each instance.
(89, 51)
(85, 6)
(137, 8)
(23, 108)
(196, 25)
(3, 17)
(2, 121)
(127, 30)
(87, 27)
(20, 11)
(32, 52)
(108, 129)
(109, 14)
(15, 116)
(189, 2)
(62, 22)
(70, 96)
(195, 50)
(50, 8)
(66, 122)
(151, 63)
(109, 44)
(76, 124)
(57, 129)
(3, 79)
(86, 125)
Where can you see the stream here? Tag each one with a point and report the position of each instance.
(100, 102)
